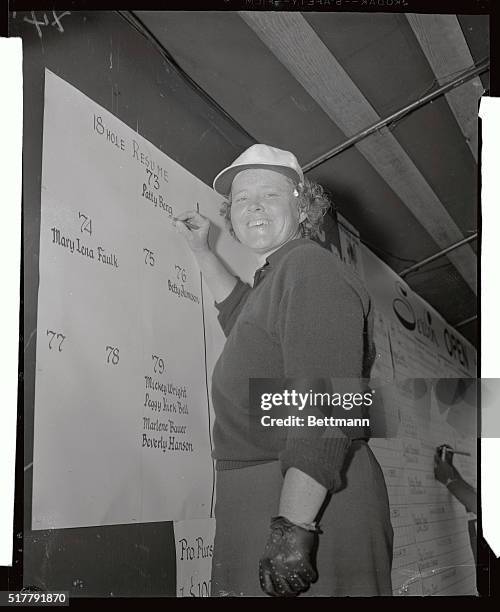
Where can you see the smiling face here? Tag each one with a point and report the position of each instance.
(264, 211)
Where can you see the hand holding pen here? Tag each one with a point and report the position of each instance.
(447, 474)
(445, 452)
(194, 227)
(444, 470)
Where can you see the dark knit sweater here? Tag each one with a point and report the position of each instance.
(306, 316)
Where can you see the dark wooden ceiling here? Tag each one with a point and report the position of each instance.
(308, 81)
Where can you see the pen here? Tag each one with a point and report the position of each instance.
(447, 449)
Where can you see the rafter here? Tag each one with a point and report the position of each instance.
(443, 43)
(297, 46)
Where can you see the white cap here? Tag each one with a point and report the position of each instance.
(259, 156)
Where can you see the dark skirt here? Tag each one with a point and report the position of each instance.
(355, 549)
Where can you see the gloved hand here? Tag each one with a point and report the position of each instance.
(286, 568)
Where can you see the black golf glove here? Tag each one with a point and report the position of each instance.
(287, 568)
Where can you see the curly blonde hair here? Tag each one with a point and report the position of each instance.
(312, 199)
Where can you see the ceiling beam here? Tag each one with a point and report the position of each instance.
(399, 114)
(297, 46)
(444, 45)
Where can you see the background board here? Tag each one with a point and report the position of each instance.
(122, 73)
(415, 350)
(121, 399)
